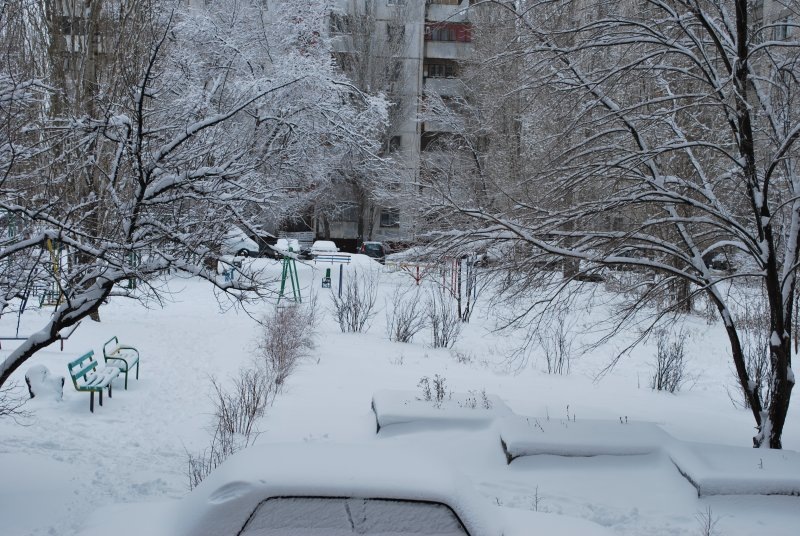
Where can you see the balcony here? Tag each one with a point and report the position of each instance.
(450, 124)
(440, 12)
(446, 87)
(452, 50)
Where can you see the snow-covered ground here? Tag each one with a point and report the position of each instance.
(611, 452)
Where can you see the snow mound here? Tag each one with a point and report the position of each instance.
(528, 436)
(711, 469)
(472, 409)
(726, 470)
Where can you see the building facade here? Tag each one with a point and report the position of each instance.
(403, 49)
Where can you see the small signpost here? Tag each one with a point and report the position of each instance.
(326, 280)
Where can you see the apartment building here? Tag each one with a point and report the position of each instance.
(413, 47)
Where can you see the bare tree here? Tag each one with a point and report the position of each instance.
(671, 138)
(218, 110)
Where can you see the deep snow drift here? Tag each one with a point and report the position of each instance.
(612, 452)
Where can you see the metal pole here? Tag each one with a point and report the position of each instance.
(341, 269)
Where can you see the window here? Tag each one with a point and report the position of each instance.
(440, 33)
(448, 2)
(345, 515)
(448, 31)
(396, 2)
(348, 212)
(390, 217)
(440, 69)
(393, 144)
(783, 29)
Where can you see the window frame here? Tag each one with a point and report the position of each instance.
(389, 218)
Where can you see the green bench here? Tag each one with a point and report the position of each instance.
(121, 356)
(87, 377)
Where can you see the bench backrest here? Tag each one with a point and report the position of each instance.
(79, 368)
(332, 257)
(108, 342)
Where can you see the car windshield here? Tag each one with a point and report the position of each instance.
(376, 248)
(317, 516)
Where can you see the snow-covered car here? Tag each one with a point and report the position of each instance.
(376, 250)
(287, 245)
(236, 242)
(329, 489)
(322, 247)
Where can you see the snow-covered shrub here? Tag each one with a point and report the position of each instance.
(463, 358)
(443, 318)
(287, 336)
(235, 414)
(555, 341)
(434, 390)
(356, 306)
(236, 411)
(475, 399)
(425, 385)
(11, 401)
(707, 522)
(754, 331)
(670, 367)
(404, 316)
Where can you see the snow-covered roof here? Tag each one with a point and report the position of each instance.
(225, 500)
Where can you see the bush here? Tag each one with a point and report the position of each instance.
(434, 391)
(754, 331)
(235, 415)
(670, 368)
(356, 307)
(287, 336)
(12, 401)
(556, 344)
(443, 319)
(404, 318)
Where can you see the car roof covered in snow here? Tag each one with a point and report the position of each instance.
(226, 498)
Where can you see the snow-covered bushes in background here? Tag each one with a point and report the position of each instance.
(443, 318)
(355, 308)
(670, 367)
(404, 316)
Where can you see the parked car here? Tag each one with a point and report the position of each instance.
(320, 247)
(266, 243)
(324, 488)
(333, 490)
(376, 250)
(236, 242)
(287, 245)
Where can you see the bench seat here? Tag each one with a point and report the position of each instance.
(122, 356)
(87, 375)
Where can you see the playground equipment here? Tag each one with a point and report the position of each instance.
(45, 284)
(53, 295)
(290, 271)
